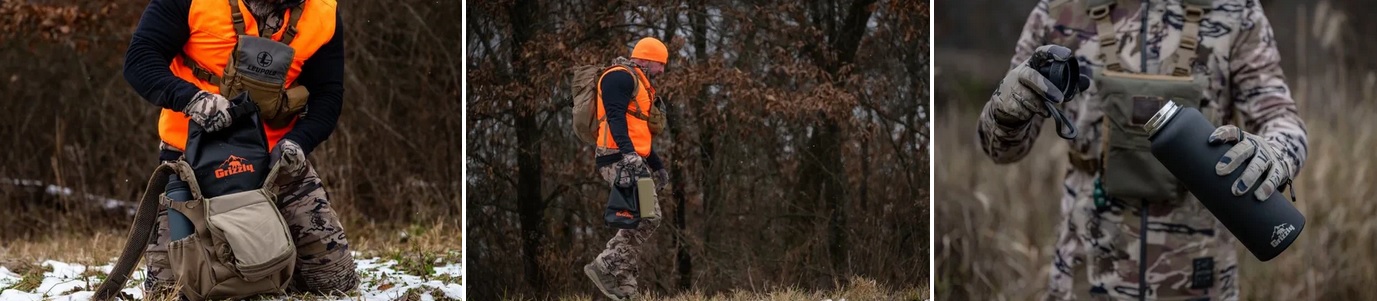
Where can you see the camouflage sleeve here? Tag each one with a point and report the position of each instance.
(1005, 143)
(1260, 93)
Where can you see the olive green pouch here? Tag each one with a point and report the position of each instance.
(1130, 170)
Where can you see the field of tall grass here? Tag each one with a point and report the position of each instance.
(853, 289)
(996, 224)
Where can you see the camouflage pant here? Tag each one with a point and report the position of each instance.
(622, 254)
(323, 263)
(1190, 255)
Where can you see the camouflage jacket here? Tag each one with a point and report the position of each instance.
(1237, 54)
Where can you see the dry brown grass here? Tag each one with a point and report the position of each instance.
(857, 289)
(439, 241)
(417, 250)
(996, 224)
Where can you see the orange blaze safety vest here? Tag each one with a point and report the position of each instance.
(638, 129)
(212, 41)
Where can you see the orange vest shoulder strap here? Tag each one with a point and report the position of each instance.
(237, 16)
(290, 30)
(639, 113)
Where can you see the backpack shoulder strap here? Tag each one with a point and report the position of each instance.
(1190, 36)
(1100, 11)
(289, 32)
(636, 83)
(145, 220)
(639, 112)
(237, 17)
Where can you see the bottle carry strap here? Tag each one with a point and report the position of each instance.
(145, 218)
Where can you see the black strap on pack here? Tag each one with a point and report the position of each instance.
(243, 109)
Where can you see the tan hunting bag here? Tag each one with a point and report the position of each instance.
(241, 246)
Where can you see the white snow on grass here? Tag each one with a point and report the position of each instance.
(381, 280)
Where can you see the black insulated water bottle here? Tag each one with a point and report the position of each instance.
(1180, 140)
(178, 224)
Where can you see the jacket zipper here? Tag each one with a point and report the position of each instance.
(1143, 35)
(1142, 235)
(1142, 252)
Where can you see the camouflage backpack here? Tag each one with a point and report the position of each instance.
(584, 86)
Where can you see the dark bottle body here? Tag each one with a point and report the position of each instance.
(179, 225)
(1180, 140)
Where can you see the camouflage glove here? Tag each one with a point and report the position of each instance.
(661, 178)
(1267, 158)
(209, 110)
(631, 166)
(291, 156)
(1023, 91)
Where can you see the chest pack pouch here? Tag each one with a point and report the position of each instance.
(241, 245)
(1129, 169)
(258, 66)
(1129, 99)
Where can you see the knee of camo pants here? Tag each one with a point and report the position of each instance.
(324, 264)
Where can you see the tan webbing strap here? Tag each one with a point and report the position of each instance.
(1109, 42)
(634, 91)
(638, 113)
(1190, 40)
(200, 73)
(290, 31)
(597, 100)
(237, 17)
(145, 220)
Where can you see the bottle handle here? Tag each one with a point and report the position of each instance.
(1064, 127)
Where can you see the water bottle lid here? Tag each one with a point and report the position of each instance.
(175, 182)
(1163, 115)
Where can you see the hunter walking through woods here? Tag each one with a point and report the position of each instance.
(1137, 234)
(625, 149)
(177, 60)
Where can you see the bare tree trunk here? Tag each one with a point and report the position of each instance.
(827, 184)
(683, 261)
(530, 206)
(707, 149)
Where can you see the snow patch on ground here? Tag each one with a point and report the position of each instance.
(381, 281)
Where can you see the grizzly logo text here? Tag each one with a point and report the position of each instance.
(232, 166)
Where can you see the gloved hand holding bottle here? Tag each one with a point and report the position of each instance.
(1266, 157)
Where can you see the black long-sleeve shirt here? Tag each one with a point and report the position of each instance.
(617, 88)
(163, 31)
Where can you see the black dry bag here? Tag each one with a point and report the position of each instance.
(233, 159)
(623, 209)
